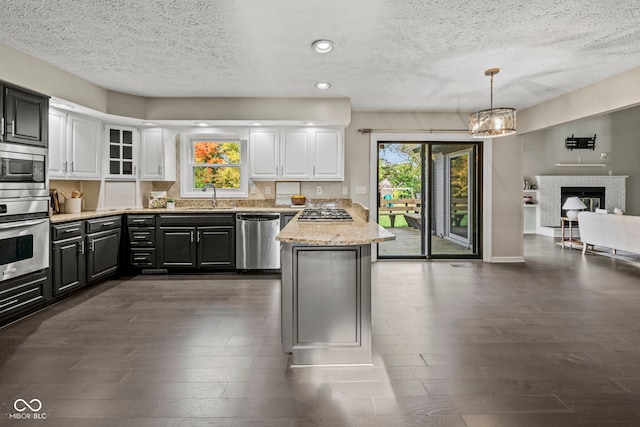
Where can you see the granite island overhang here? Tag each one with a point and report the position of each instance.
(326, 289)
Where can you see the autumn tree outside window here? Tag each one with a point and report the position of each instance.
(219, 161)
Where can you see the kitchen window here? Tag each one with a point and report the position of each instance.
(216, 159)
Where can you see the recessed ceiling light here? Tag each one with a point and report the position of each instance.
(148, 123)
(202, 124)
(323, 85)
(322, 46)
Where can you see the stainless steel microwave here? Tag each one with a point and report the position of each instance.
(22, 171)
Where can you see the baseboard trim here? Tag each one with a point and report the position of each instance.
(505, 259)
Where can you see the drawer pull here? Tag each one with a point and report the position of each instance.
(9, 271)
(9, 303)
(106, 224)
(137, 220)
(140, 258)
(140, 237)
(71, 230)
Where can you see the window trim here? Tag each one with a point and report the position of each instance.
(187, 189)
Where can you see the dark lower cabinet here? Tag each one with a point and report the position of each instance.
(196, 241)
(67, 257)
(216, 247)
(68, 265)
(103, 254)
(84, 252)
(141, 243)
(21, 295)
(177, 247)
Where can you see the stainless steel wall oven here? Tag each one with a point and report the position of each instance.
(24, 210)
(24, 236)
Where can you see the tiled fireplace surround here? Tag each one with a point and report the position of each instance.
(549, 193)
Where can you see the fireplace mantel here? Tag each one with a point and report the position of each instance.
(549, 187)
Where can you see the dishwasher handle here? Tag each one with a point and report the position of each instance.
(257, 217)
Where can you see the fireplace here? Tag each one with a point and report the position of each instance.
(549, 186)
(593, 197)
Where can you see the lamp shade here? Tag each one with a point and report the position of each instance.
(492, 123)
(573, 203)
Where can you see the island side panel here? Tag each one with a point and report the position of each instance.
(327, 290)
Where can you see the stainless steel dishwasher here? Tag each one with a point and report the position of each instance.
(256, 244)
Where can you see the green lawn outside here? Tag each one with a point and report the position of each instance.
(385, 222)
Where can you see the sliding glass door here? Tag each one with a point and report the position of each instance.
(429, 197)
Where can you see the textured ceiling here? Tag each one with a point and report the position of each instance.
(392, 55)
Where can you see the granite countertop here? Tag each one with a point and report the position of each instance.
(58, 218)
(360, 231)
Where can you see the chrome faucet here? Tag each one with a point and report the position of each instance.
(214, 198)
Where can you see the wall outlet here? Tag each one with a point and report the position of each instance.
(253, 189)
(267, 189)
(345, 191)
(361, 189)
(318, 189)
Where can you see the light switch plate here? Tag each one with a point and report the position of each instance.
(361, 189)
(345, 191)
(267, 189)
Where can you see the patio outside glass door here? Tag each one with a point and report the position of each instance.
(431, 206)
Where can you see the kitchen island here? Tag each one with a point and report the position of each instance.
(326, 289)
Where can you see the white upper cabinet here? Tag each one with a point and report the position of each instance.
(297, 154)
(57, 144)
(264, 154)
(120, 154)
(74, 146)
(157, 155)
(329, 155)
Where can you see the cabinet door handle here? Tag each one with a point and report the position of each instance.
(198, 237)
(92, 245)
(82, 247)
(191, 236)
(160, 168)
(71, 230)
(64, 166)
(134, 169)
(72, 167)
(2, 130)
(13, 128)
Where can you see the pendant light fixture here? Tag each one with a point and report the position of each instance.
(494, 122)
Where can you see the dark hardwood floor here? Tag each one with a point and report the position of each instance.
(551, 342)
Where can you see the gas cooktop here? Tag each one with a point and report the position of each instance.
(325, 214)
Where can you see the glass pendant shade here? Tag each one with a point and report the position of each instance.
(493, 122)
